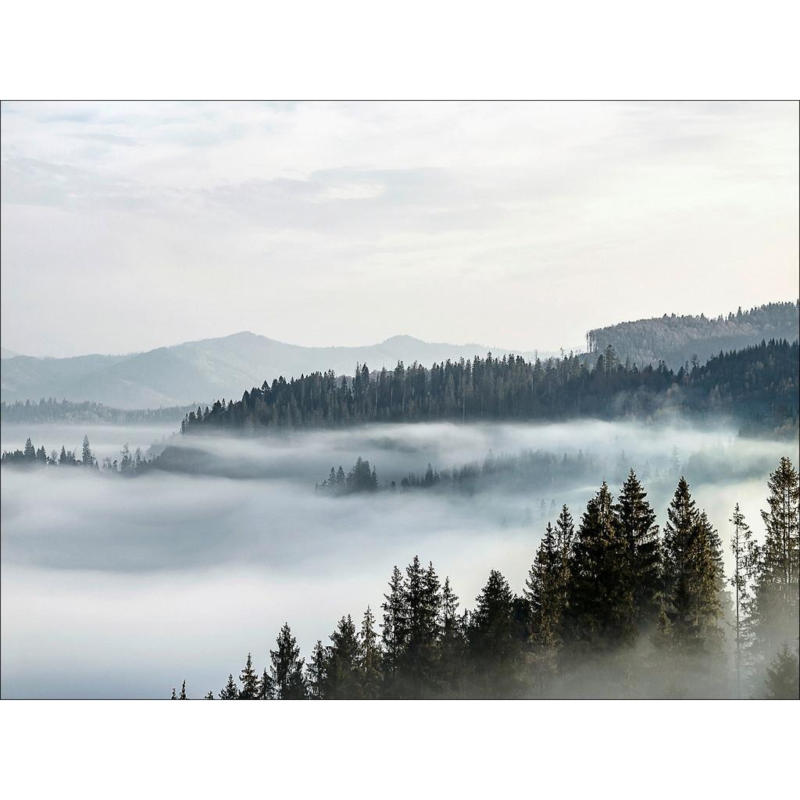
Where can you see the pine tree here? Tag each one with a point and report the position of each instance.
(745, 562)
(316, 672)
(286, 671)
(775, 610)
(493, 647)
(782, 676)
(638, 529)
(174, 696)
(231, 691)
(209, 696)
(369, 658)
(342, 678)
(249, 681)
(692, 576)
(29, 452)
(266, 687)
(600, 611)
(183, 691)
(87, 459)
(452, 647)
(543, 591)
(395, 628)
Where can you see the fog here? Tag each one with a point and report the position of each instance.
(123, 587)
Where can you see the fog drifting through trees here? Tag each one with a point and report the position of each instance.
(113, 587)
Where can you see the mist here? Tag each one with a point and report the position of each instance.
(123, 587)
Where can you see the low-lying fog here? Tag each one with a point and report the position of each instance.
(123, 587)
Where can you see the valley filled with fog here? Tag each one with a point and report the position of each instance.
(117, 586)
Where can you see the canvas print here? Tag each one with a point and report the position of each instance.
(399, 400)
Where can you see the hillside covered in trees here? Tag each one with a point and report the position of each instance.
(52, 410)
(757, 386)
(612, 607)
(677, 340)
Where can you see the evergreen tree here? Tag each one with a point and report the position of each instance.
(87, 459)
(600, 610)
(316, 672)
(493, 647)
(693, 577)
(231, 691)
(638, 529)
(286, 671)
(30, 451)
(782, 677)
(183, 691)
(775, 610)
(395, 628)
(209, 696)
(452, 647)
(745, 562)
(369, 658)
(543, 591)
(266, 687)
(249, 681)
(342, 678)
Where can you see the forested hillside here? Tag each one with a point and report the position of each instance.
(757, 386)
(612, 607)
(677, 340)
(51, 410)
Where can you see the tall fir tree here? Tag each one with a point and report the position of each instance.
(543, 591)
(369, 658)
(394, 629)
(286, 670)
(230, 691)
(316, 672)
(775, 607)
(249, 681)
(600, 610)
(745, 563)
(342, 678)
(643, 551)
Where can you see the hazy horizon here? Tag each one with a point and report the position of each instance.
(520, 225)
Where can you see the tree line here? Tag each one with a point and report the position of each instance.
(129, 462)
(612, 606)
(52, 410)
(757, 386)
(677, 339)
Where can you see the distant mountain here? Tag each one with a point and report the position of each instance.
(198, 372)
(678, 339)
(7, 353)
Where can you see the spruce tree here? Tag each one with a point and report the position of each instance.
(316, 672)
(87, 459)
(183, 691)
(775, 610)
(395, 628)
(266, 687)
(600, 610)
(782, 676)
(543, 591)
(286, 671)
(230, 691)
(342, 678)
(692, 576)
(452, 645)
(643, 551)
(369, 658)
(493, 648)
(745, 562)
(249, 681)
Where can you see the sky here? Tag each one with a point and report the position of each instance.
(128, 226)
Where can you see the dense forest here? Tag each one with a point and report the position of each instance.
(757, 386)
(52, 410)
(612, 606)
(678, 339)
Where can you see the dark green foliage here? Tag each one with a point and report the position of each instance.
(759, 385)
(693, 577)
(249, 681)
(494, 648)
(544, 592)
(183, 691)
(316, 672)
(286, 671)
(600, 602)
(775, 607)
(745, 563)
(52, 410)
(676, 340)
(636, 520)
(782, 677)
(342, 679)
(230, 690)
(360, 479)
(369, 658)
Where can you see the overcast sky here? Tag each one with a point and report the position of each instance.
(127, 226)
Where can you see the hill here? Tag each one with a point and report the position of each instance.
(197, 372)
(676, 340)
